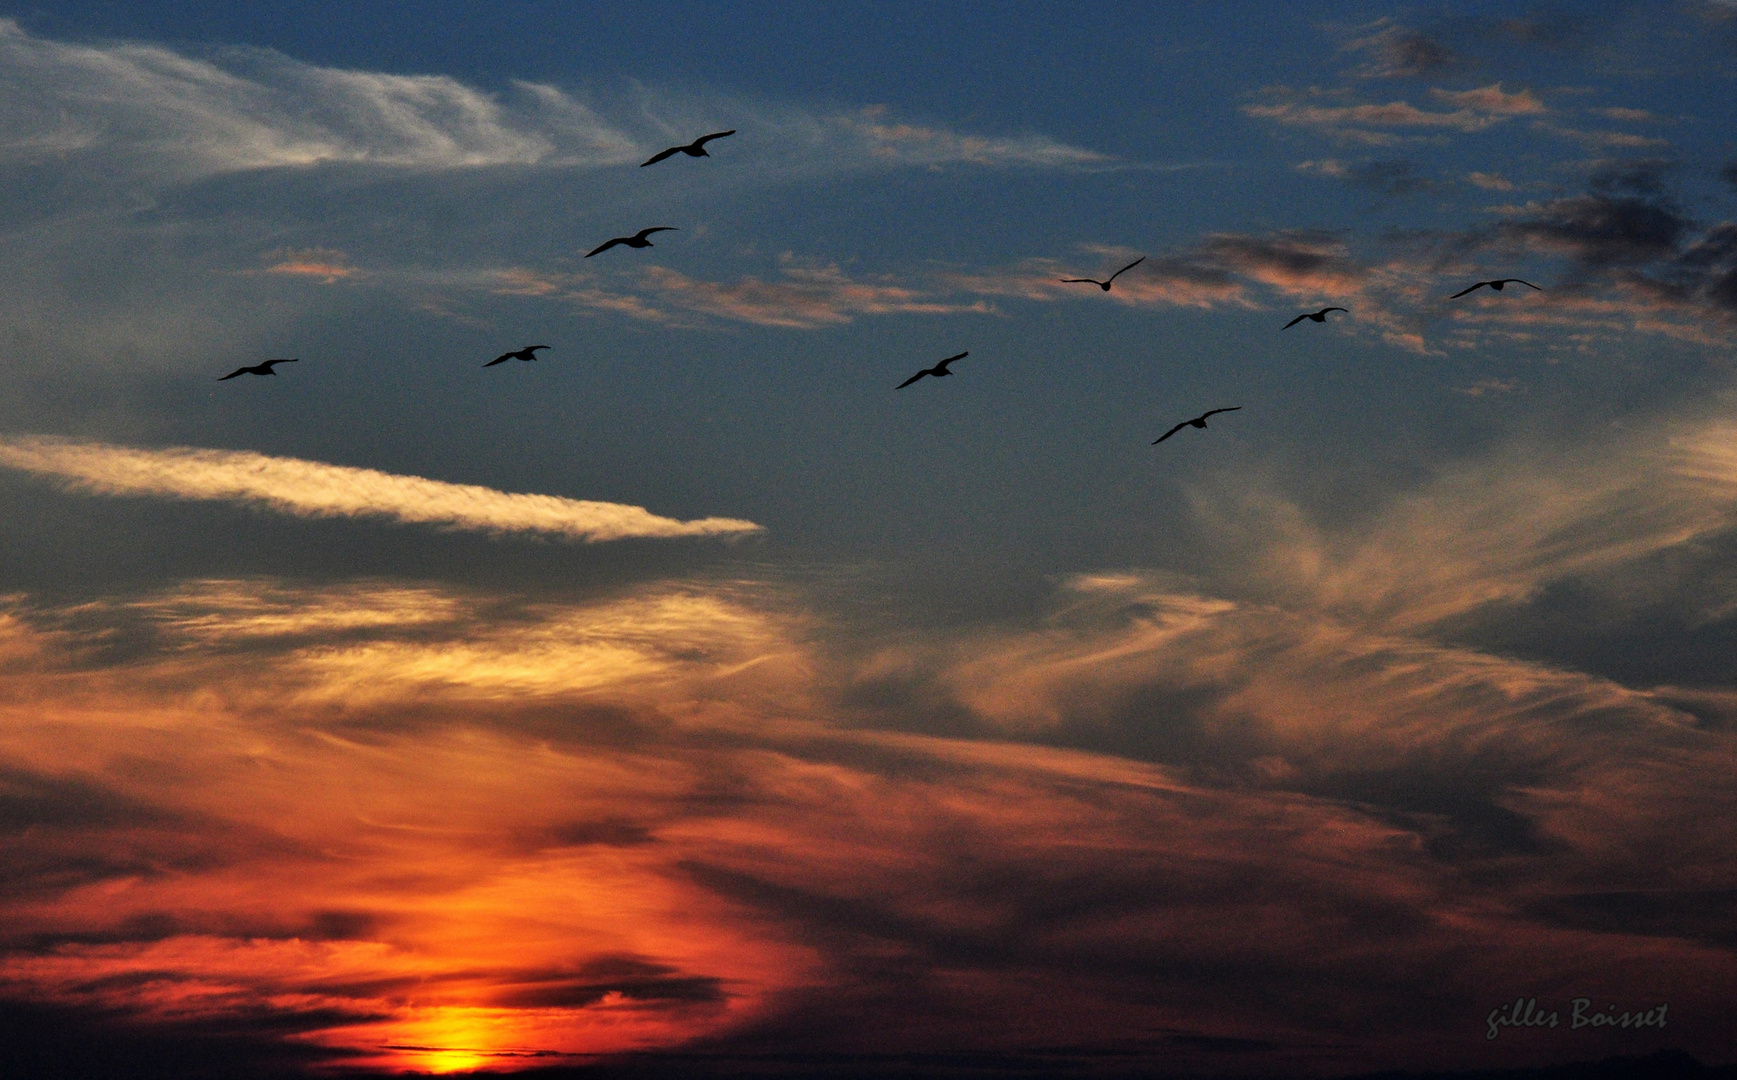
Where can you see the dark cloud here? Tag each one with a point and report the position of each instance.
(1729, 172)
(1645, 176)
(1707, 915)
(1600, 230)
(1408, 54)
(629, 977)
(1387, 177)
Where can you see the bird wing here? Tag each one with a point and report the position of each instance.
(1169, 433)
(606, 245)
(270, 363)
(660, 155)
(1324, 310)
(1524, 282)
(912, 379)
(1294, 321)
(1127, 268)
(237, 371)
(1462, 292)
(1081, 281)
(704, 139)
(501, 359)
(1215, 412)
(533, 348)
(643, 233)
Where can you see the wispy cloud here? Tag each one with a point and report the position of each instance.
(805, 296)
(182, 116)
(1369, 123)
(314, 489)
(250, 109)
(1400, 52)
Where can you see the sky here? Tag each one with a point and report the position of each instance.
(695, 700)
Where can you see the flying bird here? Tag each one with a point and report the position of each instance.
(1496, 285)
(259, 369)
(1104, 285)
(529, 352)
(938, 371)
(1317, 316)
(637, 240)
(1198, 421)
(697, 148)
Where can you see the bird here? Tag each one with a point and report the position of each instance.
(1198, 421)
(1496, 285)
(1317, 316)
(938, 371)
(259, 369)
(1104, 285)
(637, 240)
(529, 352)
(697, 148)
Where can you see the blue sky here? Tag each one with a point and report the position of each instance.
(1451, 571)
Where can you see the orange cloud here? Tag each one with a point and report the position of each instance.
(314, 489)
(329, 265)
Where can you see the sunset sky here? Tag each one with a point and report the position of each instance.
(693, 694)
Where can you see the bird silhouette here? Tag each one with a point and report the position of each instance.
(529, 352)
(1496, 285)
(637, 240)
(259, 369)
(697, 148)
(1104, 285)
(1317, 316)
(1198, 421)
(938, 371)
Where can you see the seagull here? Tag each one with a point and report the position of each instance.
(1198, 421)
(938, 370)
(637, 240)
(697, 148)
(1496, 285)
(1317, 316)
(529, 352)
(259, 369)
(1104, 285)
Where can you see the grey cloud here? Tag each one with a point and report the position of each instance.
(1408, 54)
(1602, 230)
(1644, 176)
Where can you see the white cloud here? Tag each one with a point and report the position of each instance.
(254, 109)
(314, 489)
(259, 109)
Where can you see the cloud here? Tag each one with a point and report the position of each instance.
(1397, 52)
(1601, 230)
(432, 829)
(1604, 140)
(253, 109)
(1476, 110)
(807, 297)
(1387, 177)
(1490, 181)
(869, 133)
(1492, 99)
(176, 116)
(1205, 275)
(313, 489)
(327, 264)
